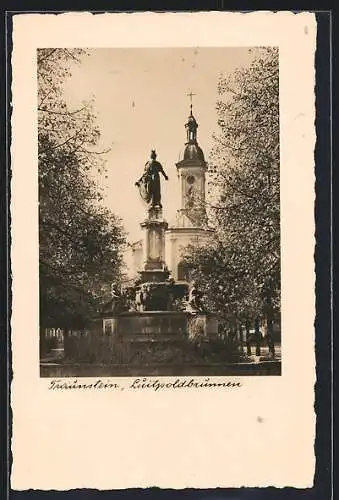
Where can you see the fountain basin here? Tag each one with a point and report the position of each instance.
(159, 325)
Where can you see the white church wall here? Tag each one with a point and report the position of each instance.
(177, 241)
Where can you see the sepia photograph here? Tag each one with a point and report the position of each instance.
(162, 255)
(159, 211)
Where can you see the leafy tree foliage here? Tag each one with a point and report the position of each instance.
(239, 270)
(80, 241)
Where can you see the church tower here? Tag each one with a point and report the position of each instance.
(190, 226)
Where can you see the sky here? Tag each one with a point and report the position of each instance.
(141, 103)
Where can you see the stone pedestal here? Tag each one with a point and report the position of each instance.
(154, 267)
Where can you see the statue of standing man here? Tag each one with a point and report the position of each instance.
(149, 182)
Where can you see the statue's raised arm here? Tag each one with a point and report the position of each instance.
(163, 171)
(149, 183)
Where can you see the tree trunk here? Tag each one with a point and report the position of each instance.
(269, 338)
(241, 338)
(248, 339)
(257, 336)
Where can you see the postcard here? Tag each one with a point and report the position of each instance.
(163, 250)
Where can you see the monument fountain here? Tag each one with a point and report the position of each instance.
(157, 322)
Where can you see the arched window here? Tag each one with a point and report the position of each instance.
(183, 271)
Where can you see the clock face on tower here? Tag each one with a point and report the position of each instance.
(190, 179)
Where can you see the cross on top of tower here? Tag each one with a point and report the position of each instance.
(190, 95)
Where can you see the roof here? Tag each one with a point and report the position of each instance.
(192, 152)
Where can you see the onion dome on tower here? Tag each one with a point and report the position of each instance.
(192, 150)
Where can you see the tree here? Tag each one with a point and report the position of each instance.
(240, 267)
(80, 241)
